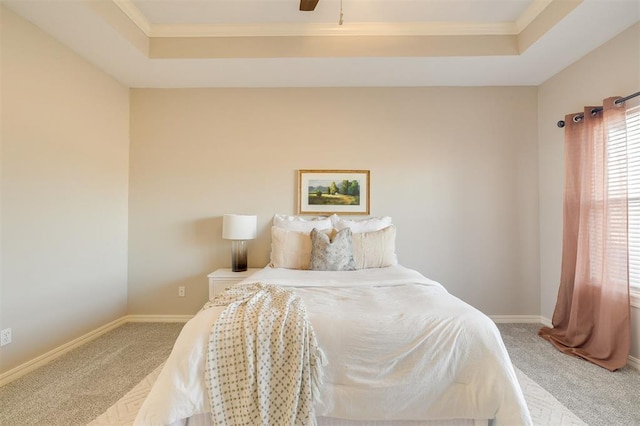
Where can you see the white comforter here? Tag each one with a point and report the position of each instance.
(398, 346)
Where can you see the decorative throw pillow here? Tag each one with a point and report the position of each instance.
(331, 255)
(291, 249)
(375, 249)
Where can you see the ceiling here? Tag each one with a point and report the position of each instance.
(270, 43)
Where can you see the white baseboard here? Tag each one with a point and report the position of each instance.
(158, 318)
(29, 366)
(45, 358)
(37, 362)
(521, 319)
(634, 362)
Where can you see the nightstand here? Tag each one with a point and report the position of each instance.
(223, 278)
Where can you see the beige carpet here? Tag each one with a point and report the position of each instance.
(125, 410)
(77, 387)
(596, 395)
(81, 385)
(545, 409)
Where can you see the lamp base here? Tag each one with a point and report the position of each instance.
(238, 255)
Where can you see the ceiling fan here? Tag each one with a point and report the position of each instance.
(308, 5)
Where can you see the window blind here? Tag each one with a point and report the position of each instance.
(633, 188)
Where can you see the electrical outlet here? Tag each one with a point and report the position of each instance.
(5, 336)
(181, 291)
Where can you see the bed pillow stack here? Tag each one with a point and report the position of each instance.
(291, 240)
(372, 240)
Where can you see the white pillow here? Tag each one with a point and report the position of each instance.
(364, 225)
(297, 223)
(375, 249)
(291, 249)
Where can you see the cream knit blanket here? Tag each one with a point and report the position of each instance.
(263, 365)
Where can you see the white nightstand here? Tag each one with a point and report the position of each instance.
(220, 279)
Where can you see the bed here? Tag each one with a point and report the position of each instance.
(399, 349)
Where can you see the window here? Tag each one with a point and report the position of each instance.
(633, 164)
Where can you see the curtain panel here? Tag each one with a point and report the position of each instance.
(591, 319)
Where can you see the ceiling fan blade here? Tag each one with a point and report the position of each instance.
(308, 5)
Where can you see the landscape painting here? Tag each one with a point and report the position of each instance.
(333, 191)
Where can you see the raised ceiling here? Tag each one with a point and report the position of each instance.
(270, 43)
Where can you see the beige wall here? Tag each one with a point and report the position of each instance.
(456, 168)
(65, 136)
(471, 176)
(613, 69)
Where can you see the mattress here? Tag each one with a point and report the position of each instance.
(399, 347)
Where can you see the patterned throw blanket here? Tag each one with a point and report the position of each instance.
(263, 365)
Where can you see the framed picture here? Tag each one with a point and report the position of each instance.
(333, 191)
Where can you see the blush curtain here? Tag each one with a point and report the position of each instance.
(591, 319)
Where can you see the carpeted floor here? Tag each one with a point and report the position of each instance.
(596, 395)
(81, 385)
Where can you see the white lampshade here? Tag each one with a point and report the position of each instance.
(239, 227)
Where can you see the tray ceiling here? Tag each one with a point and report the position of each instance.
(270, 43)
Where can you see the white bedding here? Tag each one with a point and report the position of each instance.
(398, 345)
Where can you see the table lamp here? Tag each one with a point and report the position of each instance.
(239, 229)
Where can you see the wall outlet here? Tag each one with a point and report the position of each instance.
(180, 291)
(5, 336)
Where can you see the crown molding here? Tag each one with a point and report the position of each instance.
(333, 29)
(534, 22)
(135, 15)
(357, 39)
(532, 12)
(323, 29)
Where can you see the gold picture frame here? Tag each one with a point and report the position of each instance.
(326, 192)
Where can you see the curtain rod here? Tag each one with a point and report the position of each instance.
(598, 109)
